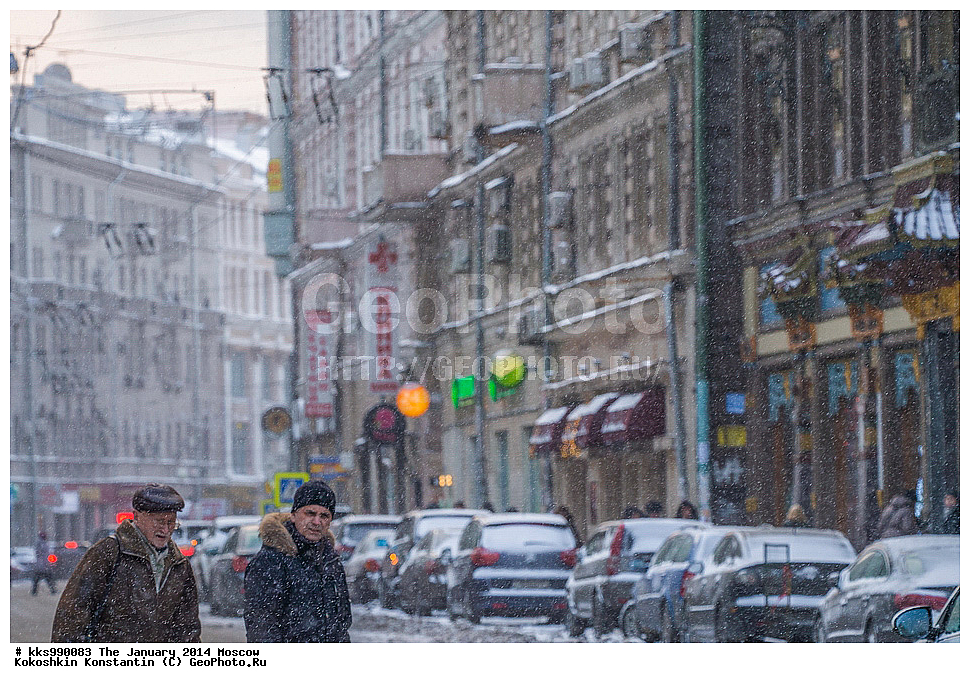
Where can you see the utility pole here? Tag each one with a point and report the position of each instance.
(700, 240)
(546, 272)
(481, 470)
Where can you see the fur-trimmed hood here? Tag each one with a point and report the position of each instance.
(273, 532)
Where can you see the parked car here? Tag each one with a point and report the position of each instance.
(365, 564)
(211, 545)
(351, 529)
(342, 510)
(656, 610)
(889, 575)
(916, 623)
(22, 560)
(189, 534)
(423, 585)
(764, 581)
(511, 564)
(612, 560)
(226, 594)
(410, 530)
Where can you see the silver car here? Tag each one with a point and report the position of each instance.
(887, 576)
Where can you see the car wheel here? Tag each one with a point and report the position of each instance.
(818, 631)
(628, 622)
(450, 607)
(668, 634)
(721, 629)
(574, 625)
(600, 626)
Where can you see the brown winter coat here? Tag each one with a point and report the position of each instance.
(118, 575)
(897, 519)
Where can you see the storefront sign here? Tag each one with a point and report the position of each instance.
(319, 385)
(379, 311)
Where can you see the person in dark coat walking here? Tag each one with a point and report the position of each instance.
(898, 518)
(43, 570)
(796, 517)
(134, 586)
(296, 589)
(951, 514)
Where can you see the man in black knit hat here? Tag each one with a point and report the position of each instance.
(296, 590)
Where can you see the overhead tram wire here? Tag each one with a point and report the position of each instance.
(23, 69)
(147, 58)
(133, 22)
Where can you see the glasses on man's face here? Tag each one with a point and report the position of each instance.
(165, 522)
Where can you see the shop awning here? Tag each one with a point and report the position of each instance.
(634, 417)
(584, 422)
(547, 429)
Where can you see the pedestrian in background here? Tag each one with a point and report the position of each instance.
(43, 569)
(295, 586)
(653, 509)
(632, 512)
(564, 511)
(898, 518)
(686, 510)
(951, 514)
(796, 517)
(134, 586)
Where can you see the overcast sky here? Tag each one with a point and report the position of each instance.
(119, 50)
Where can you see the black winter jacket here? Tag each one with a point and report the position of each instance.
(296, 591)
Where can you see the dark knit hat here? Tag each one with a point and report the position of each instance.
(157, 498)
(314, 492)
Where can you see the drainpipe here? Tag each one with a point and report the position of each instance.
(481, 471)
(546, 187)
(382, 83)
(673, 222)
(700, 238)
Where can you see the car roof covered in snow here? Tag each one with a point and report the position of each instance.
(523, 518)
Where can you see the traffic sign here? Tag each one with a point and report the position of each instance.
(266, 506)
(285, 485)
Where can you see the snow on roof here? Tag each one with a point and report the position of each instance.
(474, 170)
(625, 402)
(591, 406)
(513, 127)
(552, 416)
(596, 94)
(43, 142)
(601, 310)
(614, 371)
(339, 244)
(258, 157)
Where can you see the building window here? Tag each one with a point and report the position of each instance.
(268, 389)
(38, 262)
(237, 375)
(241, 448)
(768, 311)
(829, 297)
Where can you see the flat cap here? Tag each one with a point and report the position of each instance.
(157, 498)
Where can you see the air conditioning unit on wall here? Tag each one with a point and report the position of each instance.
(461, 256)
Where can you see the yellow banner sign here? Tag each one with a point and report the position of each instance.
(274, 176)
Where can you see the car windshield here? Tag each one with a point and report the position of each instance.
(952, 624)
(804, 548)
(527, 537)
(647, 538)
(356, 532)
(937, 559)
(426, 524)
(249, 540)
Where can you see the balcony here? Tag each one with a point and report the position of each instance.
(76, 231)
(508, 102)
(400, 183)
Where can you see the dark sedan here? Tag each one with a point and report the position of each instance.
(511, 564)
(226, 594)
(423, 585)
(889, 575)
(617, 554)
(656, 611)
(764, 582)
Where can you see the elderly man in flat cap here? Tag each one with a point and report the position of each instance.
(296, 590)
(134, 586)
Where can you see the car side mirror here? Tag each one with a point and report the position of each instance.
(843, 578)
(914, 622)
